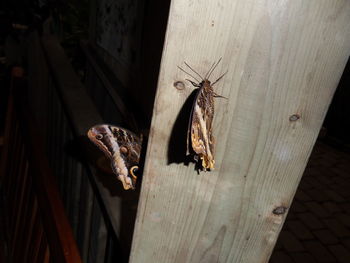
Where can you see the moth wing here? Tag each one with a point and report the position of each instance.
(130, 141)
(202, 141)
(122, 147)
(190, 124)
(124, 135)
(195, 136)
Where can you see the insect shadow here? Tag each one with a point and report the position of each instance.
(177, 147)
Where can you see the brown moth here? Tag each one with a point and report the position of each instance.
(122, 147)
(200, 139)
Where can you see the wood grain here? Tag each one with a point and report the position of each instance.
(283, 58)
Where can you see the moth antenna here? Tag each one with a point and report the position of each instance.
(188, 74)
(219, 96)
(206, 75)
(219, 78)
(193, 83)
(212, 70)
(193, 70)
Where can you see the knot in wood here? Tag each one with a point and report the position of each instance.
(280, 210)
(179, 85)
(294, 117)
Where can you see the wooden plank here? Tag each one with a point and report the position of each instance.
(31, 226)
(26, 215)
(13, 170)
(85, 216)
(37, 236)
(98, 235)
(284, 58)
(42, 249)
(38, 80)
(75, 173)
(6, 149)
(21, 213)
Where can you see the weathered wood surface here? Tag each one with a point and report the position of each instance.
(283, 58)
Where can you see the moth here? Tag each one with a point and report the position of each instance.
(122, 147)
(200, 139)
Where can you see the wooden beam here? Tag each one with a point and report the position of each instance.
(284, 60)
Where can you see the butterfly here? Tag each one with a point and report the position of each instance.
(122, 147)
(200, 139)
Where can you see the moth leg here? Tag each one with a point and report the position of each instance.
(218, 96)
(219, 78)
(194, 83)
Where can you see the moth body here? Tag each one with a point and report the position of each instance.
(202, 140)
(200, 133)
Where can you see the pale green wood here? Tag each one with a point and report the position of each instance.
(283, 58)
